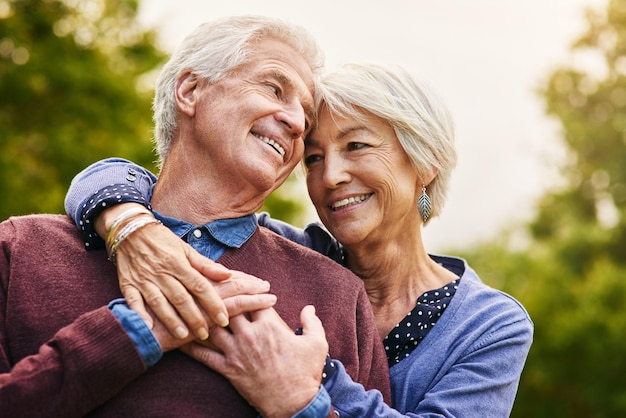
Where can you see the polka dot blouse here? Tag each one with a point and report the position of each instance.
(406, 335)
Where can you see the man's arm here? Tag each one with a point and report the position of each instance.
(82, 366)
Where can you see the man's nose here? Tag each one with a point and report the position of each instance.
(292, 115)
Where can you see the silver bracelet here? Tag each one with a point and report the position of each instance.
(130, 213)
(125, 232)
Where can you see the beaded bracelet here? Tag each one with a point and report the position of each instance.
(129, 228)
(126, 215)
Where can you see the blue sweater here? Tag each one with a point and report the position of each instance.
(468, 365)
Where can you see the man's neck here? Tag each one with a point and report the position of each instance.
(199, 199)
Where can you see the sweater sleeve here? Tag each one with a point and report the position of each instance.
(483, 382)
(81, 367)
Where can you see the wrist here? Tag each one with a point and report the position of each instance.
(106, 218)
(124, 225)
(318, 407)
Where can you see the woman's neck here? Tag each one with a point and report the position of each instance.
(395, 276)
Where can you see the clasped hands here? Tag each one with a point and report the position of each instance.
(234, 328)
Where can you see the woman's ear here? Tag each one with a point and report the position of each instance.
(185, 93)
(429, 176)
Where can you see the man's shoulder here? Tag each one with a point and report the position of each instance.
(304, 254)
(289, 256)
(41, 221)
(52, 218)
(42, 230)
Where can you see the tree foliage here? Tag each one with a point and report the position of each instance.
(572, 276)
(71, 92)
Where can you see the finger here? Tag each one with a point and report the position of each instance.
(164, 311)
(207, 356)
(311, 324)
(248, 303)
(209, 268)
(221, 338)
(238, 324)
(136, 303)
(203, 290)
(240, 284)
(183, 302)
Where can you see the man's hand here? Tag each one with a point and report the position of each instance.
(277, 371)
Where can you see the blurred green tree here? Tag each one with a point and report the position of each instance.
(76, 84)
(74, 87)
(571, 278)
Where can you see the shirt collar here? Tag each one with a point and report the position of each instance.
(233, 232)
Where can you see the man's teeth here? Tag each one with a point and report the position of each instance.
(350, 201)
(271, 142)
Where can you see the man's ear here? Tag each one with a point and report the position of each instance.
(185, 93)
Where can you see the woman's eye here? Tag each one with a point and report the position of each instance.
(352, 146)
(311, 159)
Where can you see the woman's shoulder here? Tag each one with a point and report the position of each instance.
(480, 297)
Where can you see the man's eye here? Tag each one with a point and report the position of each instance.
(274, 89)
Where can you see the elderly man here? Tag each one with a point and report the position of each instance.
(231, 108)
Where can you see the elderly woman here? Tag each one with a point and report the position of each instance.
(378, 165)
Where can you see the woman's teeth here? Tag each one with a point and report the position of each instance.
(350, 201)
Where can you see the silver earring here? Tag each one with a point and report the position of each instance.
(424, 205)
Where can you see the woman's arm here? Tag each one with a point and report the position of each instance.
(157, 267)
(153, 263)
(104, 184)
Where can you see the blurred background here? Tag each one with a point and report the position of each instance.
(538, 93)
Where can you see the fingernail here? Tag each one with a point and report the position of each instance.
(203, 334)
(181, 332)
(222, 319)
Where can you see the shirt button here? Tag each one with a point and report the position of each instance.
(197, 233)
(131, 178)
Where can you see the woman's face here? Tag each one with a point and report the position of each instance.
(360, 180)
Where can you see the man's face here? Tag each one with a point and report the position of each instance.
(250, 126)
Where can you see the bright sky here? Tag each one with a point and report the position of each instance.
(487, 58)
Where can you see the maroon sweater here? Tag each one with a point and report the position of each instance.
(62, 352)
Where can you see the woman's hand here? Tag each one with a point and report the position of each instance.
(236, 304)
(182, 288)
(277, 371)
